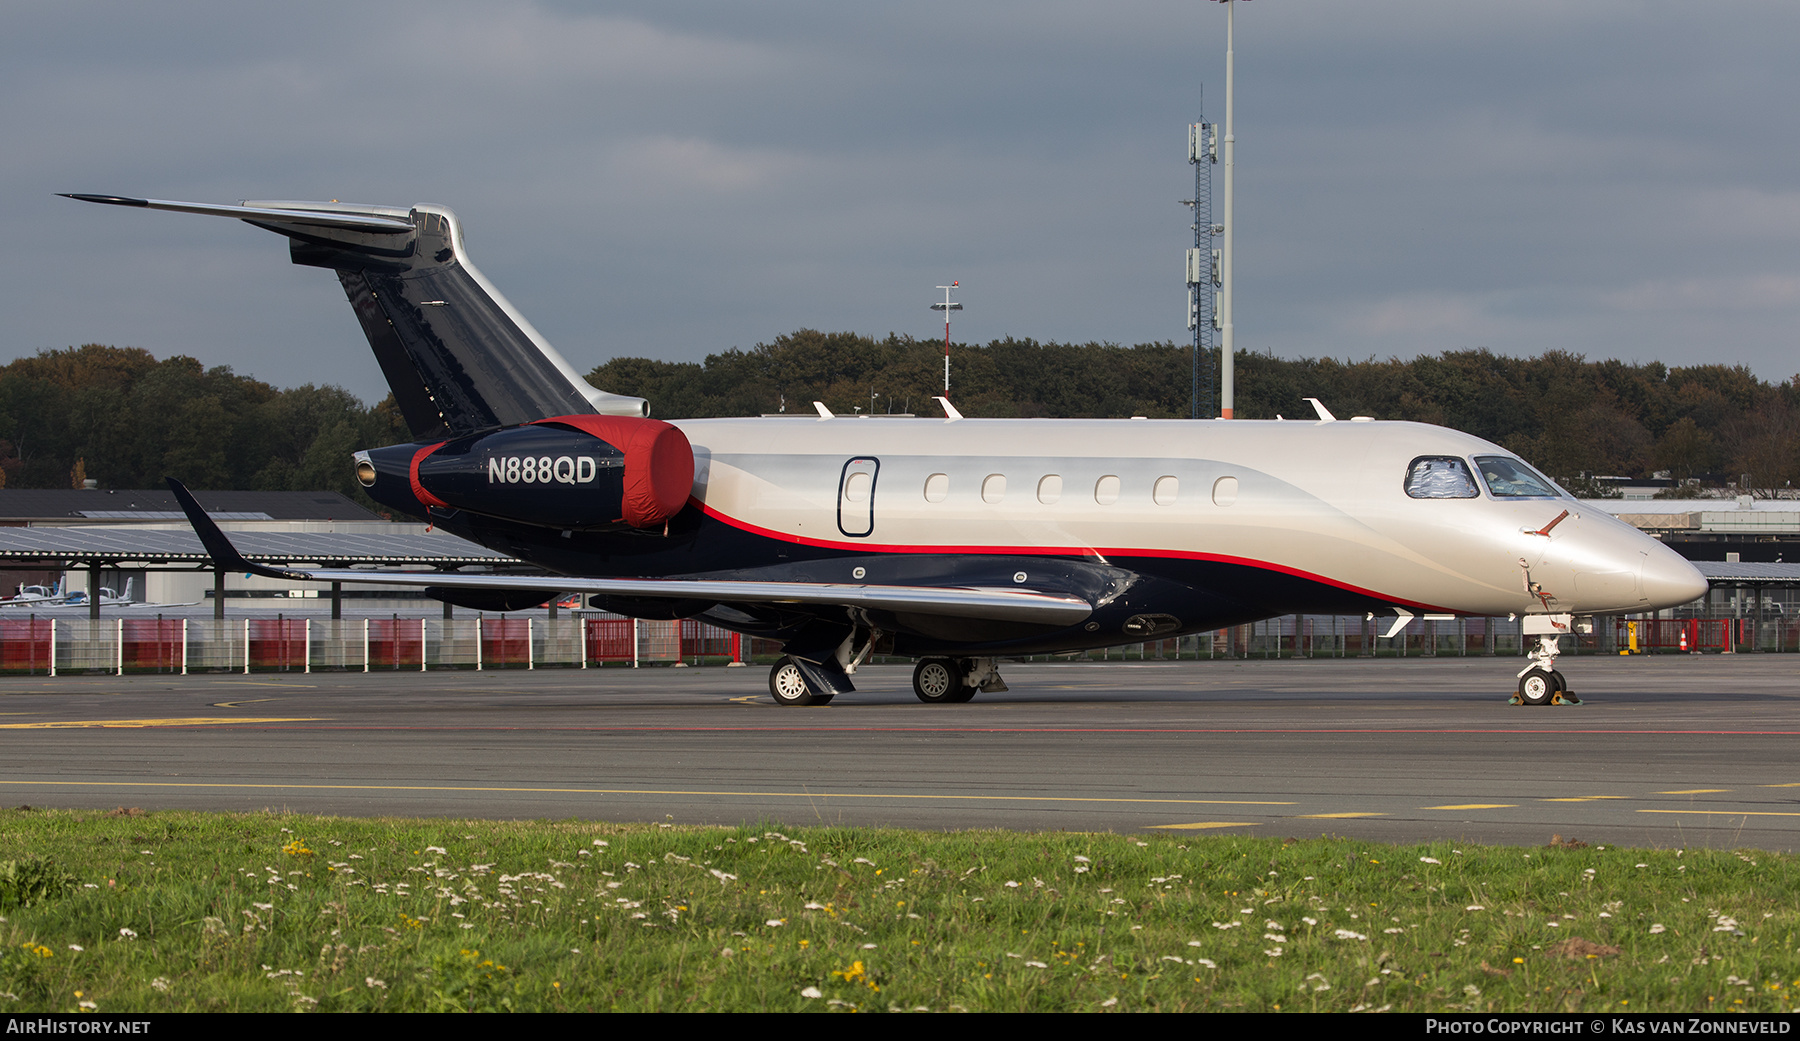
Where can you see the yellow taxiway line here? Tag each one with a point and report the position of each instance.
(190, 721)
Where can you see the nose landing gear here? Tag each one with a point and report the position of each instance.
(1539, 682)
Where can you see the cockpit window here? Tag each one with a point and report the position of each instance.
(1440, 477)
(1512, 479)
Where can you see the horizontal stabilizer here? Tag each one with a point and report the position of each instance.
(307, 217)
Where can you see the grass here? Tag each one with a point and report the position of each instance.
(170, 911)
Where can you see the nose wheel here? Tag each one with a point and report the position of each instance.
(1539, 682)
(1538, 687)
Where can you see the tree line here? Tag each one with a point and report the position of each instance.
(123, 418)
(119, 416)
(1568, 416)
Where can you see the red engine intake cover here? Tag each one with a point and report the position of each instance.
(659, 463)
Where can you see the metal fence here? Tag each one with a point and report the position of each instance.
(40, 646)
(45, 646)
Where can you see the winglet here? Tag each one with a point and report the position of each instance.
(224, 555)
(1325, 415)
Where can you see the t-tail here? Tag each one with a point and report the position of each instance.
(458, 357)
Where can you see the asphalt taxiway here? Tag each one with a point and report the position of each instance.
(1666, 752)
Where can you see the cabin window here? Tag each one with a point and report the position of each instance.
(1165, 491)
(1225, 491)
(1106, 490)
(856, 486)
(1512, 479)
(1440, 477)
(1050, 489)
(937, 487)
(993, 488)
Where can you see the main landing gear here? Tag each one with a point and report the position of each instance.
(798, 681)
(788, 686)
(953, 681)
(1539, 682)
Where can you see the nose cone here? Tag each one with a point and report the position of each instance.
(1669, 580)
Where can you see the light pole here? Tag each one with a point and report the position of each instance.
(947, 307)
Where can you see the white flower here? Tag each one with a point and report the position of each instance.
(1206, 962)
(1474, 907)
(1011, 884)
(127, 934)
(1345, 934)
(1109, 1002)
(74, 947)
(1429, 860)
(1041, 965)
(775, 923)
(1079, 859)
(160, 983)
(812, 992)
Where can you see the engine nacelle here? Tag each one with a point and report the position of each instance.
(571, 472)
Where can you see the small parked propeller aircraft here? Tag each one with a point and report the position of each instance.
(36, 596)
(959, 542)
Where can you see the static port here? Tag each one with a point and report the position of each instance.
(365, 472)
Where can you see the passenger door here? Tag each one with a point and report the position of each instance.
(856, 497)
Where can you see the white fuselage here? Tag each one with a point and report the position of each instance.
(1325, 501)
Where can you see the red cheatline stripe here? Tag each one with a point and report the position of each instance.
(1062, 551)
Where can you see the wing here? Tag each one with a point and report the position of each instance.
(1011, 605)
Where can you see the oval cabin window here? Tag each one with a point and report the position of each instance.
(1106, 490)
(1167, 488)
(1225, 491)
(993, 488)
(937, 487)
(856, 488)
(1050, 489)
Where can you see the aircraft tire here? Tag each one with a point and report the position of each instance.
(938, 681)
(1538, 687)
(787, 685)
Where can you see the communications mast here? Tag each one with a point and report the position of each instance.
(947, 307)
(1203, 264)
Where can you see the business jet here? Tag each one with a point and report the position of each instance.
(957, 542)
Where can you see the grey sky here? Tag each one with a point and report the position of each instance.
(1610, 178)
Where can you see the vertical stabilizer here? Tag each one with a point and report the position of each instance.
(458, 356)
